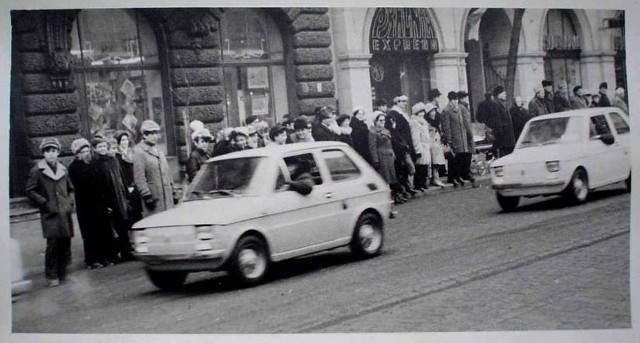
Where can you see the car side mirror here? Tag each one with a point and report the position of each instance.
(607, 138)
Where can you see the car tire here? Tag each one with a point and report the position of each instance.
(167, 280)
(628, 183)
(368, 236)
(249, 261)
(508, 203)
(577, 190)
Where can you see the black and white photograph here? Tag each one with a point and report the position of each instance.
(342, 171)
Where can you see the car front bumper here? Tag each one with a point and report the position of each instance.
(201, 261)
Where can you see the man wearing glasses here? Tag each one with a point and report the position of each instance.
(151, 172)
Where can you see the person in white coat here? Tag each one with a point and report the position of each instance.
(422, 145)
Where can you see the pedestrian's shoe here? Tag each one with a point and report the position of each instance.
(53, 283)
(411, 191)
(461, 181)
(438, 183)
(95, 265)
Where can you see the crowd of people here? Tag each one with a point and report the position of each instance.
(113, 183)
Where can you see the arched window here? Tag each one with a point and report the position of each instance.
(115, 59)
(563, 45)
(254, 67)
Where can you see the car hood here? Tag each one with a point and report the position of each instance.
(218, 211)
(555, 152)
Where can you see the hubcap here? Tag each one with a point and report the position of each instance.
(370, 238)
(580, 188)
(252, 264)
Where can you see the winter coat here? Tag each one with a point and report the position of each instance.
(152, 177)
(455, 130)
(504, 135)
(620, 103)
(486, 113)
(322, 133)
(421, 139)
(382, 155)
(360, 138)
(92, 216)
(196, 159)
(403, 127)
(604, 100)
(109, 185)
(537, 107)
(548, 102)
(51, 192)
(135, 205)
(466, 115)
(560, 102)
(578, 102)
(519, 116)
(437, 154)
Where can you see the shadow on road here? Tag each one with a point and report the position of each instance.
(557, 202)
(219, 282)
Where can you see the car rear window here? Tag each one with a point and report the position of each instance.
(341, 167)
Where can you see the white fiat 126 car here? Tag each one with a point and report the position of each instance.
(567, 153)
(243, 211)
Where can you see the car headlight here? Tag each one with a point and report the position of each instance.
(498, 171)
(553, 166)
(204, 232)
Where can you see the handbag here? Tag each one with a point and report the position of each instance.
(448, 152)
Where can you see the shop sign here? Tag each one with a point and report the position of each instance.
(402, 30)
(562, 42)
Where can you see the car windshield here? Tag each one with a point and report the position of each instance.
(552, 131)
(224, 178)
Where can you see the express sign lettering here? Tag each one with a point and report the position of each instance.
(402, 29)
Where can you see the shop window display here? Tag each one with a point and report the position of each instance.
(115, 57)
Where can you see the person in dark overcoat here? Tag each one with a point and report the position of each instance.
(560, 98)
(604, 98)
(465, 159)
(577, 101)
(325, 127)
(151, 172)
(49, 188)
(505, 140)
(519, 115)
(548, 96)
(485, 113)
(383, 156)
(402, 130)
(360, 134)
(112, 196)
(91, 218)
(456, 133)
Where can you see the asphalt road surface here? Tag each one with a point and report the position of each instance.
(452, 262)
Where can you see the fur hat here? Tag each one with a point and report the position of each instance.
(275, 131)
(79, 144)
(429, 107)
(300, 124)
(462, 94)
(196, 125)
(416, 108)
(433, 93)
(201, 133)
(452, 95)
(603, 85)
(400, 98)
(97, 140)
(49, 142)
(498, 90)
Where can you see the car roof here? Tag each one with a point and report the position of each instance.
(277, 150)
(577, 113)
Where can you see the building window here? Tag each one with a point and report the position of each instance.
(563, 45)
(254, 67)
(115, 59)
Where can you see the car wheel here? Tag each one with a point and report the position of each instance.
(167, 280)
(578, 188)
(250, 261)
(628, 183)
(368, 236)
(507, 203)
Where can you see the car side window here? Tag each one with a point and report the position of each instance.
(619, 124)
(598, 126)
(308, 162)
(341, 167)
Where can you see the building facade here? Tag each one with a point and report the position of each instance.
(85, 72)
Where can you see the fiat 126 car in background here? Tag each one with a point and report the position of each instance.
(246, 210)
(568, 153)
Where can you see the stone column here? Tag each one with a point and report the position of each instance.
(355, 83)
(529, 74)
(448, 72)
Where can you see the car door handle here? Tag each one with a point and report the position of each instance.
(328, 195)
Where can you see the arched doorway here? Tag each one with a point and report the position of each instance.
(401, 41)
(563, 45)
(487, 44)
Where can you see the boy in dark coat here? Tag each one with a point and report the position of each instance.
(50, 189)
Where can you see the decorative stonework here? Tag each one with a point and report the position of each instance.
(58, 25)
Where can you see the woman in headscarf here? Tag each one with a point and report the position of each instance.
(383, 156)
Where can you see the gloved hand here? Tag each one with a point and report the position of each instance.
(149, 201)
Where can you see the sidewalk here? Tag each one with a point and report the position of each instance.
(25, 227)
